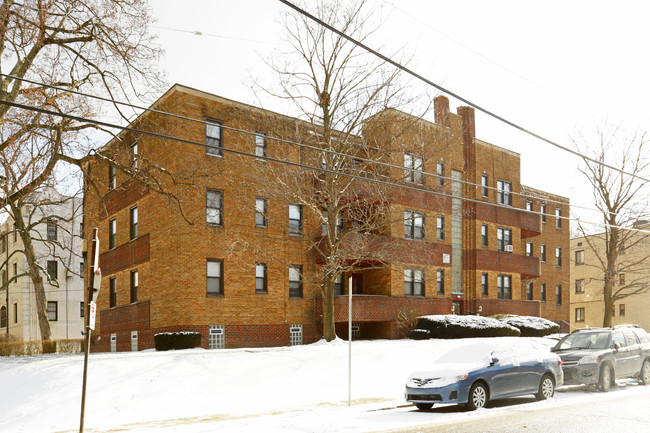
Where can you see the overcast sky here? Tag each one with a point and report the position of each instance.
(553, 67)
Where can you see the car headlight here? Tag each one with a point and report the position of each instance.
(589, 359)
(462, 377)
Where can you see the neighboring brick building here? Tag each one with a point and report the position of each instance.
(242, 280)
(632, 274)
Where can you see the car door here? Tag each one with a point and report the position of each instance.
(531, 368)
(504, 375)
(635, 352)
(621, 354)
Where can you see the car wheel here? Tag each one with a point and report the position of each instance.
(424, 406)
(644, 376)
(546, 388)
(605, 380)
(478, 396)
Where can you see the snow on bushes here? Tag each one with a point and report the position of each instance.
(453, 326)
(530, 326)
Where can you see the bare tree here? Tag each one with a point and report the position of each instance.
(622, 202)
(49, 50)
(346, 101)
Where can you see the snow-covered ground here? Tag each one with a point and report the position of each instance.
(301, 388)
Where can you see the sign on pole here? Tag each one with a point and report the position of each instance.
(93, 315)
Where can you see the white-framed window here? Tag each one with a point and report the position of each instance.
(558, 218)
(484, 284)
(53, 270)
(217, 337)
(260, 278)
(413, 225)
(338, 285)
(134, 341)
(580, 314)
(440, 281)
(413, 282)
(542, 289)
(260, 143)
(214, 207)
(113, 343)
(112, 233)
(440, 228)
(295, 219)
(134, 154)
(295, 335)
(52, 231)
(133, 222)
(580, 257)
(580, 285)
(529, 291)
(529, 249)
(484, 185)
(542, 253)
(52, 311)
(260, 212)
(504, 192)
(484, 235)
(295, 281)
(134, 285)
(542, 210)
(504, 286)
(112, 179)
(413, 168)
(529, 205)
(558, 257)
(504, 239)
(214, 276)
(440, 171)
(558, 294)
(213, 138)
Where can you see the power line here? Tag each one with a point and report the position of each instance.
(451, 93)
(285, 141)
(212, 35)
(295, 164)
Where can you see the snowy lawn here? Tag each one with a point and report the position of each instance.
(301, 388)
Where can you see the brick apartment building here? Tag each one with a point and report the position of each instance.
(464, 236)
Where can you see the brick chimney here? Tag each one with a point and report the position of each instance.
(469, 124)
(441, 110)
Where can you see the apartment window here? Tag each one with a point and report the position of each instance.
(440, 228)
(134, 154)
(580, 257)
(295, 220)
(543, 292)
(558, 294)
(484, 185)
(504, 239)
(529, 205)
(134, 286)
(543, 253)
(260, 143)
(295, 281)
(213, 138)
(53, 270)
(529, 249)
(133, 223)
(112, 288)
(112, 180)
(558, 218)
(621, 310)
(413, 225)
(504, 286)
(15, 312)
(580, 286)
(51, 231)
(580, 314)
(214, 276)
(82, 311)
(260, 212)
(529, 291)
(217, 337)
(504, 192)
(440, 281)
(414, 168)
(440, 171)
(542, 209)
(340, 225)
(3, 317)
(52, 311)
(413, 282)
(558, 257)
(621, 279)
(112, 233)
(484, 235)
(338, 285)
(214, 207)
(81, 269)
(484, 284)
(260, 278)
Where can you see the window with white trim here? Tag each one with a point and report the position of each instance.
(413, 225)
(295, 281)
(413, 282)
(504, 192)
(295, 219)
(260, 278)
(414, 168)
(504, 286)
(213, 138)
(214, 277)
(214, 207)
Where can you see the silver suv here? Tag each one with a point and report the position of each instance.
(599, 356)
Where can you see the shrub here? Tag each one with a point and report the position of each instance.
(529, 326)
(406, 321)
(11, 346)
(419, 334)
(177, 340)
(453, 326)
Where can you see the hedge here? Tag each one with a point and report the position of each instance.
(453, 326)
(176, 340)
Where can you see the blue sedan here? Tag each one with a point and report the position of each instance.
(477, 372)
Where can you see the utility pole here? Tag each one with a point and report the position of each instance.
(93, 290)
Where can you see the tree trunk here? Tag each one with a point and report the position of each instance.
(329, 330)
(35, 276)
(607, 298)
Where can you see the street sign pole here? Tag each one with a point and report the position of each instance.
(93, 287)
(349, 341)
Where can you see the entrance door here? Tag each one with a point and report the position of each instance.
(458, 307)
(357, 284)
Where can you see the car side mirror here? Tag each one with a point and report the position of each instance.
(494, 360)
(617, 346)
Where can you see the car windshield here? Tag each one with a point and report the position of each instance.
(583, 340)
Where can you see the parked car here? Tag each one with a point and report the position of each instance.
(476, 373)
(599, 356)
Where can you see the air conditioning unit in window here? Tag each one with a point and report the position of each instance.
(508, 248)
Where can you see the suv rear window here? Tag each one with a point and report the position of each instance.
(643, 336)
(584, 340)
